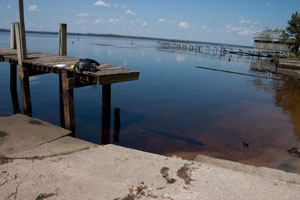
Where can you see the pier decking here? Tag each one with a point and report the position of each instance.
(46, 63)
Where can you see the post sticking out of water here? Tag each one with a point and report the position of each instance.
(22, 32)
(62, 44)
(62, 39)
(13, 43)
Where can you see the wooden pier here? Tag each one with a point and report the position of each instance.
(37, 63)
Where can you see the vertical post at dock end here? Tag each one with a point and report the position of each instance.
(25, 88)
(62, 39)
(106, 113)
(22, 30)
(13, 41)
(20, 50)
(68, 102)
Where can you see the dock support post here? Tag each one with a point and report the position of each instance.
(106, 113)
(13, 72)
(13, 42)
(62, 52)
(23, 72)
(22, 31)
(68, 102)
(62, 39)
(25, 88)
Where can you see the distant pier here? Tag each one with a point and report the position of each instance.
(217, 50)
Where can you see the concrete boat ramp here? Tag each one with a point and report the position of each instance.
(41, 161)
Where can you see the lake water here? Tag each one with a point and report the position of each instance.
(174, 108)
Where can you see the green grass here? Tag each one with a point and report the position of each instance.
(291, 59)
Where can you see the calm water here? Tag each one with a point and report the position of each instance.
(174, 108)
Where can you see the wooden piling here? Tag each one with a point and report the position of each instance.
(13, 72)
(62, 39)
(62, 52)
(68, 101)
(25, 88)
(13, 42)
(22, 31)
(106, 113)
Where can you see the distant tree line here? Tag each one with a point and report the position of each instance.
(291, 32)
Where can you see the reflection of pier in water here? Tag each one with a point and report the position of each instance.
(273, 67)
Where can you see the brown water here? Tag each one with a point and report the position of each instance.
(176, 108)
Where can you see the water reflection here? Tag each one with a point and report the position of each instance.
(286, 94)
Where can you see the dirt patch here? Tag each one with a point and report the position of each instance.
(35, 122)
(45, 196)
(165, 174)
(142, 191)
(185, 173)
(3, 134)
(4, 159)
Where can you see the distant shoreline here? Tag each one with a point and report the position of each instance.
(132, 37)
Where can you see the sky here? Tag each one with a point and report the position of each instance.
(225, 21)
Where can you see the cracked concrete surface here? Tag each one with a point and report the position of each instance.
(74, 169)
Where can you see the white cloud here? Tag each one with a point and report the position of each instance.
(34, 8)
(161, 20)
(116, 5)
(243, 21)
(130, 12)
(8, 6)
(99, 21)
(115, 20)
(81, 21)
(183, 25)
(246, 32)
(204, 27)
(101, 3)
(82, 14)
(145, 24)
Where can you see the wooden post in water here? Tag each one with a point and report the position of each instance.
(24, 74)
(106, 109)
(22, 32)
(62, 39)
(13, 72)
(68, 101)
(13, 42)
(62, 52)
(25, 88)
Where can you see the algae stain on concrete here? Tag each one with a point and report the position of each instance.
(35, 122)
(3, 134)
